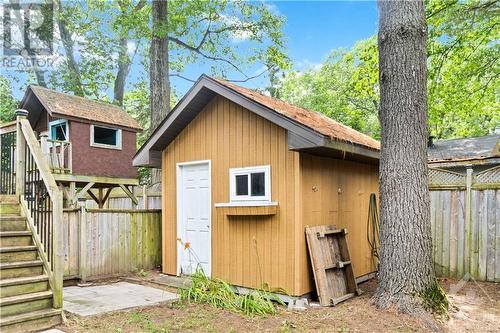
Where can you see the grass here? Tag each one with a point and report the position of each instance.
(220, 294)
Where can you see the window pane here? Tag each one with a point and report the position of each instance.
(242, 185)
(59, 132)
(105, 136)
(258, 184)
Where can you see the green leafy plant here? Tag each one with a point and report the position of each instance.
(220, 294)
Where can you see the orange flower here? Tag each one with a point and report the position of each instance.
(186, 245)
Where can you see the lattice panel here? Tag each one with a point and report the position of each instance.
(443, 177)
(489, 176)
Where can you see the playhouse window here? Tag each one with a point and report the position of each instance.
(250, 184)
(105, 137)
(59, 130)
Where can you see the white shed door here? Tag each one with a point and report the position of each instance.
(193, 219)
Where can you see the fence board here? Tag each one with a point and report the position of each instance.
(449, 234)
(117, 242)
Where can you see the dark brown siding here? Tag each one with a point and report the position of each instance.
(93, 161)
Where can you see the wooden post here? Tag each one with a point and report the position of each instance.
(83, 239)
(101, 203)
(70, 157)
(145, 203)
(20, 153)
(468, 221)
(58, 250)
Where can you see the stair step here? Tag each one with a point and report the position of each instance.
(24, 285)
(17, 248)
(16, 269)
(25, 303)
(31, 322)
(25, 298)
(18, 253)
(13, 223)
(9, 208)
(8, 198)
(15, 238)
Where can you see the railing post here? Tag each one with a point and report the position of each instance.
(20, 153)
(58, 249)
(83, 239)
(468, 222)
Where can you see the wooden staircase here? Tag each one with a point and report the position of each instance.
(26, 298)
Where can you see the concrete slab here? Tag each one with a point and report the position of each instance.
(87, 301)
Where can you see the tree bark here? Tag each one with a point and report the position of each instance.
(406, 268)
(158, 71)
(68, 44)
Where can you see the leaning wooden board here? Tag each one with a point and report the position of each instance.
(331, 264)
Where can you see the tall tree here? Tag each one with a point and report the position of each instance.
(158, 68)
(7, 102)
(406, 271)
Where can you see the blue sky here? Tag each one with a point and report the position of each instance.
(312, 30)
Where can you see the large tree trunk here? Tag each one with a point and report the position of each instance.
(406, 269)
(68, 44)
(158, 71)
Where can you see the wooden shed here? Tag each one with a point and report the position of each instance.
(244, 174)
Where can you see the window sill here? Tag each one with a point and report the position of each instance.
(248, 208)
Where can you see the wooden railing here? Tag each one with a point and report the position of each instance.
(7, 158)
(41, 202)
(58, 153)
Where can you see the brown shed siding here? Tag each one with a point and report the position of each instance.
(336, 192)
(252, 250)
(243, 247)
(94, 161)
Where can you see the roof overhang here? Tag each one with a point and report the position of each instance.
(300, 137)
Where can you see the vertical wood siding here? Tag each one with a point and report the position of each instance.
(246, 250)
(252, 250)
(115, 242)
(337, 192)
(459, 250)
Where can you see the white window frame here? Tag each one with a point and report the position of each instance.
(233, 172)
(57, 122)
(101, 145)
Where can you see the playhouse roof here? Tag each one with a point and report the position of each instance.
(308, 131)
(65, 105)
(465, 150)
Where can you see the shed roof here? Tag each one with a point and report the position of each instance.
(307, 130)
(65, 105)
(465, 149)
(314, 120)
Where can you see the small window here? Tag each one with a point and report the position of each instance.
(250, 184)
(59, 130)
(105, 137)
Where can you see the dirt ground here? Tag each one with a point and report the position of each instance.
(475, 308)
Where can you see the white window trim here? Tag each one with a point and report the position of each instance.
(118, 145)
(233, 172)
(57, 122)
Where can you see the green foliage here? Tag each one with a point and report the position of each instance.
(434, 299)
(344, 88)
(7, 102)
(220, 294)
(463, 71)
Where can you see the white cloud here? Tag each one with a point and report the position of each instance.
(131, 47)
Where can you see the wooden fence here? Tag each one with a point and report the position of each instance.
(107, 242)
(465, 216)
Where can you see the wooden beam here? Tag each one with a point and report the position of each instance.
(82, 192)
(108, 192)
(129, 194)
(92, 195)
(95, 179)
